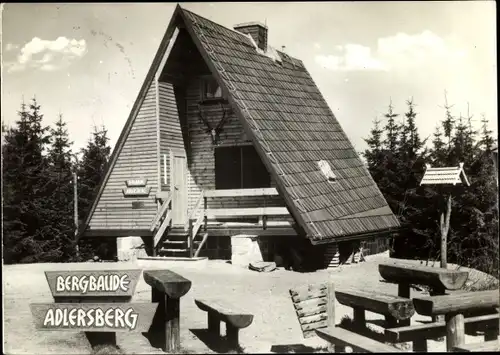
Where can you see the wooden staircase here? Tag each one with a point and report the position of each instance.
(177, 241)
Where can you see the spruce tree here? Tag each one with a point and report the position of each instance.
(392, 130)
(91, 170)
(59, 201)
(24, 183)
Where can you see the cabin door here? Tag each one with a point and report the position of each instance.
(178, 186)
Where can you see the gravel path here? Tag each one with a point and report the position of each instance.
(275, 327)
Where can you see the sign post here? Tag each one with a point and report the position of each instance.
(95, 302)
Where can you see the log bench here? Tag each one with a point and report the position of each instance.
(439, 280)
(222, 311)
(419, 334)
(340, 338)
(167, 288)
(492, 345)
(394, 308)
(453, 307)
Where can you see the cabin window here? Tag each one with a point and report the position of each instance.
(240, 168)
(210, 89)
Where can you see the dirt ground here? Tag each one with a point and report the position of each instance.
(275, 328)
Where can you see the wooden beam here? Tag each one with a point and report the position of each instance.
(397, 307)
(457, 303)
(271, 191)
(242, 212)
(437, 278)
(116, 233)
(359, 343)
(438, 329)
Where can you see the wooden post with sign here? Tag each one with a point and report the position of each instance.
(93, 301)
(167, 288)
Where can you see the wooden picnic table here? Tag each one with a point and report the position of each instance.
(438, 279)
(453, 308)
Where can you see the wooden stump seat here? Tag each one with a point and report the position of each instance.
(223, 311)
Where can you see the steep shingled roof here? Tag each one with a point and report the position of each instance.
(293, 128)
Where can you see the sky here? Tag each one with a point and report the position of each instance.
(88, 61)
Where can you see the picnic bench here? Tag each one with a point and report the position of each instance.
(342, 337)
(394, 308)
(222, 311)
(419, 334)
(492, 345)
(167, 288)
(453, 308)
(315, 308)
(439, 280)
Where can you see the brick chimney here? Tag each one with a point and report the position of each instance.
(257, 30)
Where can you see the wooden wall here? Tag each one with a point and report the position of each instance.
(201, 159)
(137, 159)
(170, 129)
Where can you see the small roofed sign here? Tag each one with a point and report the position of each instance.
(136, 182)
(101, 317)
(136, 191)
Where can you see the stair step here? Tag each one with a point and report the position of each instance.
(174, 250)
(174, 241)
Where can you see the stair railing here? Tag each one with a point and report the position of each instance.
(165, 213)
(195, 220)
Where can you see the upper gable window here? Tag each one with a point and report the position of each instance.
(210, 89)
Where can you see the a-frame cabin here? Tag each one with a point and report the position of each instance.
(230, 136)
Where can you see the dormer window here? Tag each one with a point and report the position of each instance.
(210, 89)
(326, 169)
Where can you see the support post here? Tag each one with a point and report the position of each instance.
(330, 311)
(359, 318)
(445, 226)
(205, 219)
(455, 330)
(404, 291)
(232, 336)
(213, 324)
(172, 330)
(190, 236)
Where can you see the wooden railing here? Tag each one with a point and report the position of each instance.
(164, 212)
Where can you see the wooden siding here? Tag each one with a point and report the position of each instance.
(201, 159)
(170, 129)
(137, 159)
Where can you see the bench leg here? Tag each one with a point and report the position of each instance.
(359, 318)
(491, 334)
(391, 322)
(172, 329)
(213, 324)
(420, 345)
(339, 348)
(232, 337)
